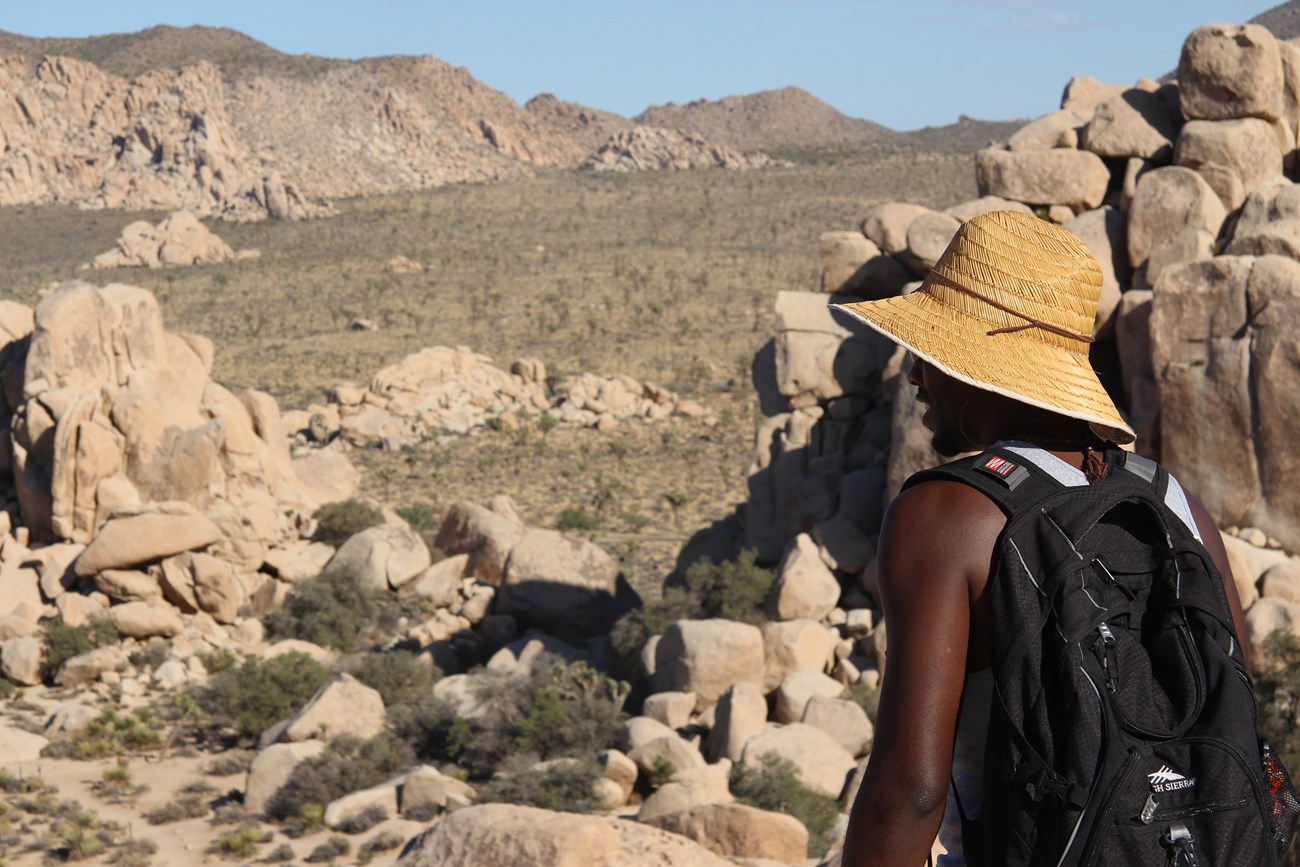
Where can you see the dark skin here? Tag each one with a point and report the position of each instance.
(935, 553)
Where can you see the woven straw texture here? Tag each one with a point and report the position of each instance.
(1009, 270)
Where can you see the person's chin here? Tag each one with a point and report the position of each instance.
(948, 446)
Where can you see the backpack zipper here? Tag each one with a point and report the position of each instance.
(1159, 815)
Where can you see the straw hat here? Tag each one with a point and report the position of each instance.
(1009, 308)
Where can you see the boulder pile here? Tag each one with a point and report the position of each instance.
(444, 390)
(648, 148)
(179, 239)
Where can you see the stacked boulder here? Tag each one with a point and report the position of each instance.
(135, 487)
(1181, 193)
(453, 390)
(179, 239)
(648, 148)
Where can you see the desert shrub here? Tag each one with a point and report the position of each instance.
(76, 843)
(732, 590)
(776, 786)
(190, 806)
(348, 764)
(662, 773)
(117, 784)
(339, 521)
(260, 693)
(150, 655)
(243, 842)
(219, 660)
(335, 610)
(331, 850)
(425, 521)
(382, 842)
(577, 519)
(431, 728)
(399, 675)
(63, 642)
(866, 696)
(280, 854)
(135, 852)
(566, 786)
(572, 711)
(363, 821)
(229, 764)
(112, 734)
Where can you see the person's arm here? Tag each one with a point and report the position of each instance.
(933, 536)
(1213, 543)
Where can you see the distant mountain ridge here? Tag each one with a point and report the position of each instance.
(1282, 21)
(212, 120)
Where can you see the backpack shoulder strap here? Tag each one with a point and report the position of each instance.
(1000, 474)
(1144, 469)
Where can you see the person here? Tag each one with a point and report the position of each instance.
(1000, 331)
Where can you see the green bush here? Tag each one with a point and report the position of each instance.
(866, 696)
(363, 821)
(335, 611)
(381, 842)
(63, 642)
(577, 519)
(565, 786)
(776, 786)
(431, 728)
(733, 590)
(572, 711)
(337, 522)
(191, 806)
(400, 676)
(240, 843)
(348, 764)
(112, 734)
(424, 521)
(331, 850)
(260, 693)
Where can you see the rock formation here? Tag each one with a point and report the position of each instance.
(178, 240)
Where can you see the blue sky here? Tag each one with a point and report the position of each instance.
(904, 64)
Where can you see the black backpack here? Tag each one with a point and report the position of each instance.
(1123, 729)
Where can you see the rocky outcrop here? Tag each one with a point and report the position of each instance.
(645, 148)
(178, 240)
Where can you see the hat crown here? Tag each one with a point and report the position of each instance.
(1021, 275)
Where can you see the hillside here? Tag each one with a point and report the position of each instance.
(785, 119)
(1283, 21)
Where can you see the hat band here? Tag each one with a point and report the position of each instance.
(1030, 322)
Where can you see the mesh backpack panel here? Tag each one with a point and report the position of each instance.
(1123, 729)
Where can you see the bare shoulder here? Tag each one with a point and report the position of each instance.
(944, 520)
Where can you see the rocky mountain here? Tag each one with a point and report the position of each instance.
(789, 118)
(1282, 21)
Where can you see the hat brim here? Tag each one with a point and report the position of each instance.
(1015, 364)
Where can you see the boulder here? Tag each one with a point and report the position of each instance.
(1280, 238)
(708, 656)
(323, 655)
(983, 205)
(1234, 156)
(562, 584)
(345, 705)
(127, 585)
(13, 626)
(620, 770)
(1282, 581)
(886, 224)
(823, 764)
(1084, 93)
(21, 659)
(797, 689)
(843, 720)
(641, 730)
(672, 749)
(1274, 200)
(85, 667)
(381, 557)
(426, 786)
(1226, 366)
(18, 745)
(353, 804)
(146, 537)
(928, 236)
(740, 831)
(1060, 129)
(1133, 340)
(146, 620)
(673, 709)
(485, 536)
(216, 589)
(1166, 202)
(496, 835)
(1229, 71)
(794, 645)
(1267, 616)
(440, 583)
(1048, 177)
(1103, 232)
(687, 789)
(740, 714)
(271, 769)
(1189, 245)
(1134, 124)
(20, 590)
(843, 255)
(805, 588)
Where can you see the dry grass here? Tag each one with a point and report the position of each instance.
(668, 277)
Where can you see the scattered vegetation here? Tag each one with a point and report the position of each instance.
(400, 676)
(338, 522)
(329, 851)
(363, 821)
(335, 611)
(384, 841)
(577, 519)
(260, 693)
(564, 785)
(733, 590)
(776, 786)
(63, 642)
(348, 764)
(243, 842)
(114, 733)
